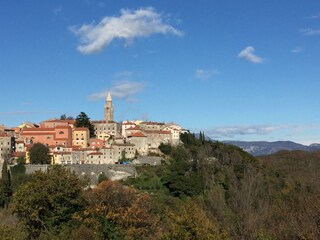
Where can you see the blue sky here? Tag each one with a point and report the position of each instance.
(238, 70)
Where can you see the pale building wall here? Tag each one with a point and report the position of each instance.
(5, 148)
(126, 125)
(151, 126)
(103, 130)
(80, 137)
(61, 158)
(129, 149)
(108, 157)
(140, 143)
(95, 158)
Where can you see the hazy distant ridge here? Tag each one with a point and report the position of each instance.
(259, 148)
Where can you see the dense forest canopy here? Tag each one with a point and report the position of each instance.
(204, 190)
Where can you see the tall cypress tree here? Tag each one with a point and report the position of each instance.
(5, 185)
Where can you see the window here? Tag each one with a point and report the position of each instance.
(61, 132)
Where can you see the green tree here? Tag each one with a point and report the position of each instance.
(64, 117)
(39, 154)
(102, 177)
(165, 148)
(181, 178)
(5, 185)
(82, 120)
(48, 201)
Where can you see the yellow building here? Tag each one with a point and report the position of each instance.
(80, 137)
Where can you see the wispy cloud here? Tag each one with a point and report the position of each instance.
(204, 74)
(315, 16)
(128, 26)
(126, 90)
(125, 75)
(94, 3)
(23, 113)
(15, 113)
(57, 10)
(309, 31)
(296, 50)
(233, 131)
(248, 54)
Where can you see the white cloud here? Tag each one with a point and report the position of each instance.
(233, 131)
(310, 31)
(296, 50)
(121, 90)
(125, 75)
(248, 54)
(315, 16)
(129, 25)
(203, 74)
(57, 10)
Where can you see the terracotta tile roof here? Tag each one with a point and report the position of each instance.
(96, 153)
(137, 134)
(165, 132)
(99, 121)
(38, 133)
(62, 127)
(18, 154)
(38, 129)
(61, 153)
(152, 123)
(129, 123)
(75, 147)
(81, 129)
(133, 128)
(58, 120)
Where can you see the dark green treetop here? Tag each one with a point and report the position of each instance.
(39, 154)
(82, 120)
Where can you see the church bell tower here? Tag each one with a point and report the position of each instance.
(108, 109)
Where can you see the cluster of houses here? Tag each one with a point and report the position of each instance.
(68, 144)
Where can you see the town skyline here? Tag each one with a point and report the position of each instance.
(234, 71)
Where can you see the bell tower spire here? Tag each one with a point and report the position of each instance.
(108, 108)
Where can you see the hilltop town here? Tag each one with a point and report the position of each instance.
(69, 144)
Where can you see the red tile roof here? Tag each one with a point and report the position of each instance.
(133, 128)
(95, 153)
(128, 123)
(137, 134)
(61, 153)
(81, 129)
(18, 154)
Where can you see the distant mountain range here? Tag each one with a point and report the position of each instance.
(260, 148)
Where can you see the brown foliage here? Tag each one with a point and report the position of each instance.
(127, 209)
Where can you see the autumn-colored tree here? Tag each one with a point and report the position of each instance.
(117, 211)
(188, 220)
(48, 200)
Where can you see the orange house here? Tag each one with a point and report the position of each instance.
(60, 135)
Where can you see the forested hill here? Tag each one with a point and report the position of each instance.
(260, 148)
(203, 190)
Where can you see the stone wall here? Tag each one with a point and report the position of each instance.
(112, 171)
